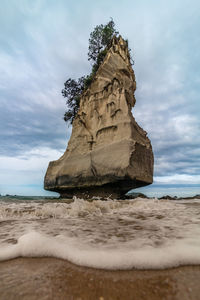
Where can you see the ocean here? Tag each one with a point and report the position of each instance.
(113, 234)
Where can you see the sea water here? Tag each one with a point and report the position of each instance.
(112, 234)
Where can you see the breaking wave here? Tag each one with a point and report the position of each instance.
(139, 233)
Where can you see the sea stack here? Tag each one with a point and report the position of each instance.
(108, 153)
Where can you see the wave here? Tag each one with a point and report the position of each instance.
(142, 234)
(34, 244)
(79, 207)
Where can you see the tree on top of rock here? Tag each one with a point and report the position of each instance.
(100, 38)
(99, 43)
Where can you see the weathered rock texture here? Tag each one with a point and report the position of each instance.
(108, 153)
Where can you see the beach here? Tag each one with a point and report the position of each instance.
(51, 278)
(132, 249)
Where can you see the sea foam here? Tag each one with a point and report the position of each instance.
(34, 244)
(142, 234)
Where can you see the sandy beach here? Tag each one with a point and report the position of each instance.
(50, 278)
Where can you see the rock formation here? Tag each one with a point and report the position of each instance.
(108, 153)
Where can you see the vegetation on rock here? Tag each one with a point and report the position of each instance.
(99, 43)
(72, 92)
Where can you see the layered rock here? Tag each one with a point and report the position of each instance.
(108, 153)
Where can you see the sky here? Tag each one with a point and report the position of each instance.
(45, 42)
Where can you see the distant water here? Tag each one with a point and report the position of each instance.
(139, 233)
(155, 190)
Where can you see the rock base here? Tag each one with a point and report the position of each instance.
(116, 190)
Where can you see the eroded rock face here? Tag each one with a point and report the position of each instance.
(108, 153)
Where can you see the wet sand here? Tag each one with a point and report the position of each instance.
(51, 278)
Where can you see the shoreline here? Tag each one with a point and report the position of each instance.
(127, 197)
(52, 278)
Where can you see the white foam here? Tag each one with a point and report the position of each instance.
(77, 208)
(143, 234)
(35, 244)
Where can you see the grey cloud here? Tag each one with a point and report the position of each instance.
(27, 130)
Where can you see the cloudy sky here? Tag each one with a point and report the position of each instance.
(44, 42)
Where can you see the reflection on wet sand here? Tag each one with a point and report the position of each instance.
(50, 278)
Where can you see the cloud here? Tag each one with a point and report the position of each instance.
(178, 179)
(26, 171)
(35, 159)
